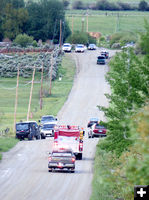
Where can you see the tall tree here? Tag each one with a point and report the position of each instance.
(46, 25)
(14, 20)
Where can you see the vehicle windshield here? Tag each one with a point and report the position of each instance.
(47, 118)
(22, 126)
(48, 125)
(101, 57)
(99, 126)
(66, 45)
(79, 46)
(61, 154)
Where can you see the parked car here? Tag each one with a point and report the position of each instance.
(67, 47)
(97, 130)
(91, 47)
(47, 129)
(62, 159)
(105, 53)
(92, 121)
(80, 48)
(28, 129)
(101, 60)
(47, 118)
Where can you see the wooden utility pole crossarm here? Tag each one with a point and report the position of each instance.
(16, 101)
(31, 91)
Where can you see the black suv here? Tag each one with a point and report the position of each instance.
(29, 129)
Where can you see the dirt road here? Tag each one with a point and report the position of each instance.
(23, 171)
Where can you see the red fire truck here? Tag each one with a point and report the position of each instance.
(66, 136)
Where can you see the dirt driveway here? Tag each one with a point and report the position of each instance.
(23, 171)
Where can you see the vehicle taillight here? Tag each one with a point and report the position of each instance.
(50, 158)
(73, 159)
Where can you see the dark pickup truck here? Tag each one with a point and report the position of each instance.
(62, 159)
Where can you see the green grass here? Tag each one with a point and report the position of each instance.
(6, 143)
(51, 104)
(107, 25)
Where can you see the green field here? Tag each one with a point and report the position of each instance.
(107, 23)
(51, 104)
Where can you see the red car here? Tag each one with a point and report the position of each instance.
(97, 130)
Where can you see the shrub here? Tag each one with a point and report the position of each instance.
(80, 37)
(23, 40)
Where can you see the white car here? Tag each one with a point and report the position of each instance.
(67, 47)
(47, 129)
(80, 48)
(91, 47)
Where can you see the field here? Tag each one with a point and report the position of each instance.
(107, 23)
(51, 104)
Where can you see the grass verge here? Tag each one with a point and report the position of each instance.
(51, 103)
(6, 143)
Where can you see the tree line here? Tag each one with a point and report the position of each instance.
(112, 6)
(40, 19)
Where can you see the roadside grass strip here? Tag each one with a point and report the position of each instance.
(51, 103)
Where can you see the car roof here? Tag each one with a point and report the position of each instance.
(26, 122)
(101, 57)
(94, 119)
(51, 122)
(66, 44)
(62, 151)
(47, 116)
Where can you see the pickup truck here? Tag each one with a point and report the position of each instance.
(62, 159)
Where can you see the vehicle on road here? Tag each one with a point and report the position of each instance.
(67, 136)
(66, 47)
(62, 159)
(47, 118)
(97, 130)
(105, 53)
(47, 129)
(101, 60)
(28, 129)
(92, 121)
(92, 47)
(80, 48)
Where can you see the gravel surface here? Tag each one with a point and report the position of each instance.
(23, 171)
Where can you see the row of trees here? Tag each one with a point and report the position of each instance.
(106, 5)
(40, 19)
(125, 150)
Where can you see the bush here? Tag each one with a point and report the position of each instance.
(80, 38)
(122, 38)
(23, 40)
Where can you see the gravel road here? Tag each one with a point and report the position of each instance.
(23, 171)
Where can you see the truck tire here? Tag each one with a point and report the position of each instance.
(38, 137)
(80, 156)
(43, 137)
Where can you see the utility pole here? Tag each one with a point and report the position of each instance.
(72, 24)
(31, 91)
(16, 101)
(82, 24)
(60, 33)
(51, 74)
(41, 92)
(87, 23)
